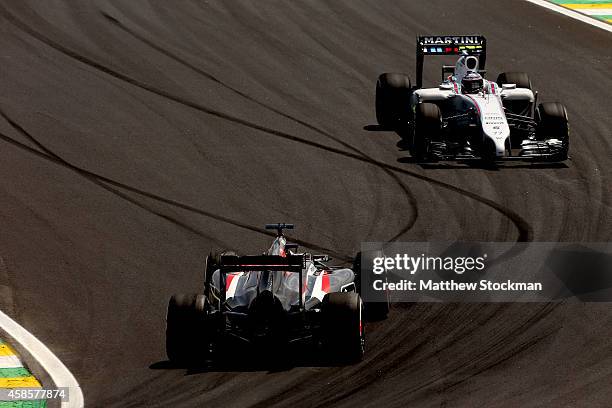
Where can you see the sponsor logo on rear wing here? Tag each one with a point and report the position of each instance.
(289, 263)
(451, 44)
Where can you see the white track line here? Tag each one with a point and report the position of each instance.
(573, 14)
(595, 12)
(58, 372)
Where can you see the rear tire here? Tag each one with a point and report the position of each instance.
(427, 127)
(553, 124)
(392, 100)
(518, 107)
(521, 79)
(213, 260)
(344, 335)
(188, 333)
(377, 306)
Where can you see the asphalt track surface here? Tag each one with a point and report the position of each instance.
(137, 135)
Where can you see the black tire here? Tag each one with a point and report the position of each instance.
(212, 264)
(392, 100)
(553, 124)
(427, 127)
(344, 335)
(377, 305)
(521, 79)
(518, 107)
(188, 334)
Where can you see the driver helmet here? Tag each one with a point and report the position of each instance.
(472, 83)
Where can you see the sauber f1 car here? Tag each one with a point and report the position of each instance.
(467, 116)
(277, 298)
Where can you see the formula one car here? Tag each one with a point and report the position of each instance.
(277, 298)
(467, 116)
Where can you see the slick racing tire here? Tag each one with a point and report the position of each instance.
(427, 127)
(521, 79)
(375, 303)
(188, 333)
(392, 100)
(344, 335)
(553, 124)
(213, 260)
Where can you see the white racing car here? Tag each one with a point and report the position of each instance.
(467, 116)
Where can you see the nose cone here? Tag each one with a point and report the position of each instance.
(493, 148)
(500, 146)
(496, 129)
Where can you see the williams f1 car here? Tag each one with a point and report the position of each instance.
(277, 298)
(467, 116)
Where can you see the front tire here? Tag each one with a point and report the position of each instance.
(427, 127)
(553, 124)
(392, 100)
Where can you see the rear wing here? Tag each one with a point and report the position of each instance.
(289, 263)
(449, 45)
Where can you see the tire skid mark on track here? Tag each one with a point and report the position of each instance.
(97, 179)
(378, 366)
(408, 194)
(221, 115)
(102, 181)
(525, 230)
(474, 369)
(483, 361)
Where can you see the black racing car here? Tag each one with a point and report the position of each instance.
(277, 298)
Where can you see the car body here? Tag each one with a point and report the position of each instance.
(501, 121)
